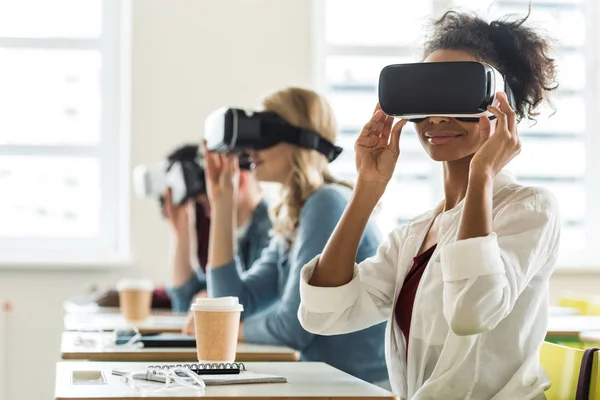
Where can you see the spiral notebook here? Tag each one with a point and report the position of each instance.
(214, 374)
(206, 368)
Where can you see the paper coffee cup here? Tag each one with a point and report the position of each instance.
(217, 322)
(135, 299)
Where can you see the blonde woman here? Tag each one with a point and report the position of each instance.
(312, 202)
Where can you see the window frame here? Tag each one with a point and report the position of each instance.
(584, 262)
(111, 247)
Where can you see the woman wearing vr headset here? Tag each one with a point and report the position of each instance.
(463, 287)
(191, 226)
(312, 201)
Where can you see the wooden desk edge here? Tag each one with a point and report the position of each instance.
(583, 336)
(205, 397)
(249, 356)
(559, 334)
(173, 356)
(142, 330)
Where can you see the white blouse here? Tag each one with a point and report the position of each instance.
(481, 309)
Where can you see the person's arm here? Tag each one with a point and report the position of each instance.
(256, 288)
(182, 219)
(501, 144)
(337, 296)
(185, 282)
(182, 259)
(183, 295)
(280, 325)
(222, 175)
(485, 275)
(336, 265)
(493, 261)
(221, 246)
(363, 302)
(377, 149)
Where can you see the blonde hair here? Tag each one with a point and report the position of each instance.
(310, 169)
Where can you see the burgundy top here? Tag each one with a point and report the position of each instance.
(406, 298)
(203, 232)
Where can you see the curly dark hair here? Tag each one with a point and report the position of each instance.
(184, 153)
(520, 53)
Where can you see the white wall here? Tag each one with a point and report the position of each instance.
(189, 56)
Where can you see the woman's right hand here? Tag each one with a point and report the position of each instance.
(180, 216)
(222, 174)
(377, 149)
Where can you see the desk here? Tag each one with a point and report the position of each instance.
(556, 311)
(111, 322)
(572, 326)
(590, 338)
(307, 380)
(90, 307)
(245, 352)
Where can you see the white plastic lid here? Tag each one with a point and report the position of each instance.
(230, 303)
(135, 284)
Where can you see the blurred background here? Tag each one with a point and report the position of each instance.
(91, 88)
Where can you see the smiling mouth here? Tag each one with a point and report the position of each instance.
(442, 139)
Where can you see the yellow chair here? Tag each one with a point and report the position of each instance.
(562, 365)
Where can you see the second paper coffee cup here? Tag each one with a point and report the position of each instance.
(217, 321)
(135, 299)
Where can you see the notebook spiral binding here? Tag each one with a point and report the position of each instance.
(200, 367)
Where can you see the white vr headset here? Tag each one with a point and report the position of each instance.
(184, 176)
(152, 180)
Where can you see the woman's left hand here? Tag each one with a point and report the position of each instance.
(500, 147)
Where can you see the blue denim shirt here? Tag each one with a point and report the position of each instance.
(270, 292)
(250, 246)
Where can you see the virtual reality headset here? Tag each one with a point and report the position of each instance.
(184, 174)
(234, 130)
(461, 90)
(184, 177)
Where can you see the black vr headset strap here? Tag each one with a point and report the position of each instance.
(509, 94)
(302, 137)
(312, 140)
